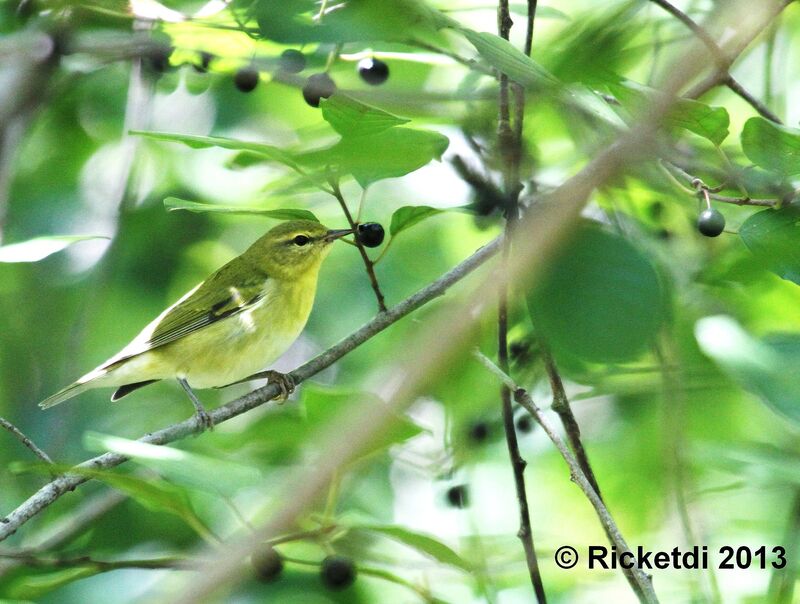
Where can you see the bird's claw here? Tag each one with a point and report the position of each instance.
(284, 381)
(205, 419)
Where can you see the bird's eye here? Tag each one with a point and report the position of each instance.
(301, 240)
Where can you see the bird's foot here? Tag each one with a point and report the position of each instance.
(204, 419)
(284, 381)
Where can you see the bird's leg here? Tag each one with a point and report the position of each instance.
(285, 382)
(200, 411)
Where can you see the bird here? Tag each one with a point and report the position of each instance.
(228, 327)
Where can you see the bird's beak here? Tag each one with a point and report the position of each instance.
(336, 234)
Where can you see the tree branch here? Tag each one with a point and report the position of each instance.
(509, 145)
(25, 440)
(54, 489)
(699, 186)
(522, 397)
(562, 407)
(723, 62)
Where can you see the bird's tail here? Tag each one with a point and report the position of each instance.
(87, 382)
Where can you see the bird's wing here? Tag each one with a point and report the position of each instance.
(222, 295)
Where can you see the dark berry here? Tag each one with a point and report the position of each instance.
(338, 572)
(267, 563)
(711, 222)
(246, 79)
(370, 234)
(205, 62)
(524, 424)
(318, 86)
(158, 58)
(292, 61)
(458, 496)
(373, 71)
(479, 432)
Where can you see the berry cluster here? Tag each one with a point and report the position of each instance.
(337, 572)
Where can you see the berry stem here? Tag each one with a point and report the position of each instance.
(368, 264)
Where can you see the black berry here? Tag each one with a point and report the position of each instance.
(292, 61)
(338, 572)
(370, 234)
(458, 496)
(246, 79)
(267, 563)
(205, 62)
(524, 424)
(711, 222)
(479, 432)
(373, 71)
(318, 86)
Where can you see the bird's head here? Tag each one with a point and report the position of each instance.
(294, 248)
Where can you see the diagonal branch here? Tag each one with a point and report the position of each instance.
(577, 474)
(564, 409)
(723, 62)
(57, 487)
(25, 440)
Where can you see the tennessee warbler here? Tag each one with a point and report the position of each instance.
(228, 327)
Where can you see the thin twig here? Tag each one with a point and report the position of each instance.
(562, 407)
(368, 264)
(509, 143)
(698, 186)
(25, 440)
(57, 487)
(722, 61)
(99, 565)
(522, 397)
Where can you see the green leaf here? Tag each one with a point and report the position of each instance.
(206, 142)
(709, 122)
(507, 58)
(350, 117)
(764, 367)
(420, 542)
(600, 299)
(205, 473)
(175, 203)
(364, 20)
(39, 248)
(154, 494)
(772, 236)
(389, 154)
(32, 587)
(772, 146)
(407, 216)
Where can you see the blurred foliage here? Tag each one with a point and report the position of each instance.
(679, 352)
